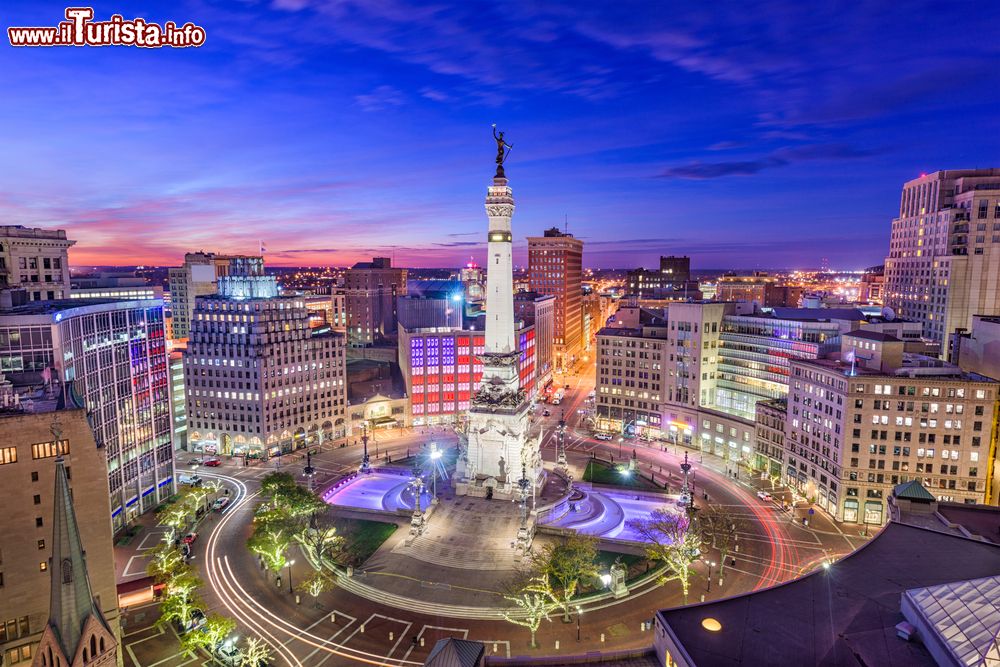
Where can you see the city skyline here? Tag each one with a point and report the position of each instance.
(338, 132)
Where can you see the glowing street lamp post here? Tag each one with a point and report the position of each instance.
(435, 457)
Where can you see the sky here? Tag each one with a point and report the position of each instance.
(757, 134)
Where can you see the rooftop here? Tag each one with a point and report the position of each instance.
(62, 305)
(914, 365)
(844, 615)
(819, 314)
(872, 335)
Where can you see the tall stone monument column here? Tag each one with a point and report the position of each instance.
(499, 443)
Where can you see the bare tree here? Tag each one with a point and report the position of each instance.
(721, 527)
(669, 539)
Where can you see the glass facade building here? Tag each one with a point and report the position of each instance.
(110, 358)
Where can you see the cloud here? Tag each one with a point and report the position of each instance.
(706, 170)
(459, 244)
(383, 97)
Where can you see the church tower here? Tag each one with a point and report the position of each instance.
(500, 448)
(77, 633)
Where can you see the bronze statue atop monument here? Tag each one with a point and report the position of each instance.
(501, 154)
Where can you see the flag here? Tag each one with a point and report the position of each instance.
(851, 355)
(262, 247)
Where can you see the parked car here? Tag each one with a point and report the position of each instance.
(764, 495)
(603, 436)
(546, 413)
(229, 652)
(196, 621)
(213, 462)
(220, 503)
(189, 538)
(194, 462)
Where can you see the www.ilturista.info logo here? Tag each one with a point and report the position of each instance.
(79, 29)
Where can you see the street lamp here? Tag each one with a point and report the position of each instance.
(290, 564)
(710, 565)
(579, 613)
(435, 456)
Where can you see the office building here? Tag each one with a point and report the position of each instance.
(199, 277)
(258, 380)
(760, 288)
(872, 285)
(126, 286)
(538, 311)
(880, 416)
(978, 350)
(944, 254)
(474, 280)
(110, 358)
(671, 282)
(755, 351)
(371, 290)
(442, 369)
(432, 303)
(42, 452)
(555, 266)
(178, 401)
(36, 261)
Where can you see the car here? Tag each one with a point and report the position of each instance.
(603, 436)
(592, 394)
(220, 503)
(229, 652)
(546, 413)
(194, 462)
(213, 462)
(764, 495)
(196, 621)
(189, 538)
(191, 480)
(556, 401)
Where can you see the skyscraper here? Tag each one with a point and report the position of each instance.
(371, 290)
(500, 450)
(944, 253)
(555, 266)
(35, 260)
(199, 277)
(108, 357)
(257, 379)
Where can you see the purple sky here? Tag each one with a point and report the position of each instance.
(771, 135)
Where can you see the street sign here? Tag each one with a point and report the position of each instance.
(811, 511)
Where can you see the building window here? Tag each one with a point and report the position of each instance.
(46, 450)
(8, 455)
(34, 476)
(38, 522)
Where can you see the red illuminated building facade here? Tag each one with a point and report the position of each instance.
(441, 369)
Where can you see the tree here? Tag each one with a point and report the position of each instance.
(174, 516)
(319, 582)
(255, 653)
(274, 484)
(210, 635)
(194, 498)
(721, 528)
(562, 566)
(535, 604)
(669, 539)
(164, 560)
(270, 541)
(180, 597)
(320, 543)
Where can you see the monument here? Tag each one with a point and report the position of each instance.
(500, 450)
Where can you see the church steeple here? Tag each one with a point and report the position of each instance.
(77, 631)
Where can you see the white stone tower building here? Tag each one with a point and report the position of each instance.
(500, 450)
